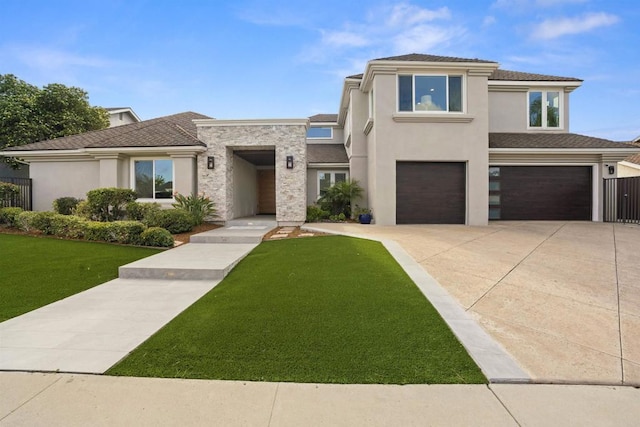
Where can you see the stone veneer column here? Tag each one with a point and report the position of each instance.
(287, 137)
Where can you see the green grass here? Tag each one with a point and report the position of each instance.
(36, 271)
(325, 309)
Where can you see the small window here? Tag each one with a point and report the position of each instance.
(320, 133)
(328, 178)
(494, 171)
(544, 110)
(153, 179)
(419, 93)
(494, 185)
(494, 213)
(494, 199)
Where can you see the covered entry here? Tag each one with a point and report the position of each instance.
(540, 192)
(254, 182)
(430, 192)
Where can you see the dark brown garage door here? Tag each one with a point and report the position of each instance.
(540, 192)
(430, 193)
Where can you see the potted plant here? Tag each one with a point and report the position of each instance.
(364, 215)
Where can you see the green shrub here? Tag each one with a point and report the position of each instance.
(337, 199)
(156, 236)
(108, 204)
(69, 226)
(174, 220)
(9, 216)
(315, 213)
(199, 207)
(24, 220)
(41, 221)
(137, 211)
(65, 205)
(82, 210)
(8, 194)
(125, 232)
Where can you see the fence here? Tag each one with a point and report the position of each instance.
(622, 200)
(24, 198)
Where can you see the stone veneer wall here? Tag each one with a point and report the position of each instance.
(222, 138)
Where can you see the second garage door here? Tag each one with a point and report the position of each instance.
(430, 192)
(540, 192)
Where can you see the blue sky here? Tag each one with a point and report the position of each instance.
(264, 59)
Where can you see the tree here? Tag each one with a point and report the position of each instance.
(30, 114)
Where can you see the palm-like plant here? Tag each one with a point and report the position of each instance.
(337, 199)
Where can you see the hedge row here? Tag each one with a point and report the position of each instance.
(70, 226)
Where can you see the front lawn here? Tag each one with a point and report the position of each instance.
(36, 271)
(324, 309)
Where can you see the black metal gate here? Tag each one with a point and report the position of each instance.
(622, 199)
(24, 198)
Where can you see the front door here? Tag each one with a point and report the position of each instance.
(267, 191)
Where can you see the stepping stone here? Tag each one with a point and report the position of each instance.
(279, 236)
(283, 232)
(306, 235)
(287, 229)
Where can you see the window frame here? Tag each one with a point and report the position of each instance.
(463, 91)
(320, 137)
(332, 180)
(132, 182)
(544, 119)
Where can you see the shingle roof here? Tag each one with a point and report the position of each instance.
(326, 118)
(550, 140)
(356, 76)
(431, 58)
(174, 130)
(507, 75)
(326, 153)
(635, 158)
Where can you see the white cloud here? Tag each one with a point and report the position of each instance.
(554, 28)
(523, 4)
(405, 14)
(489, 21)
(343, 38)
(424, 38)
(44, 58)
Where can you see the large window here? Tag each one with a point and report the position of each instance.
(327, 178)
(430, 93)
(544, 109)
(153, 178)
(320, 133)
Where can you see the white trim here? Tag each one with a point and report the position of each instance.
(409, 117)
(90, 152)
(629, 164)
(569, 86)
(327, 165)
(132, 177)
(368, 126)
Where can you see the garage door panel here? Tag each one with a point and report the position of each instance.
(430, 193)
(546, 192)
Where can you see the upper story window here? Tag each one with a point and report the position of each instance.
(153, 178)
(544, 109)
(320, 133)
(433, 93)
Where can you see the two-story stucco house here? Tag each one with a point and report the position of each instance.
(431, 139)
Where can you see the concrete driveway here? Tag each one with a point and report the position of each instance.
(563, 298)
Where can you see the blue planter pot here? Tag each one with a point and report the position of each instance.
(364, 218)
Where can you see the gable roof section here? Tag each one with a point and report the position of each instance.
(326, 153)
(550, 140)
(419, 57)
(635, 159)
(324, 118)
(168, 131)
(506, 75)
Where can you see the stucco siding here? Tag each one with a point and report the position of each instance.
(52, 180)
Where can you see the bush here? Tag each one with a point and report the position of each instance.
(125, 232)
(9, 216)
(24, 220)
(107, 204)
(173, 220)
(8, 194)
(338, 197)
(315, 213)
(199, 207)
(41, 221)
(156, 236)
(65, 205)
(69, 226)
(140, 211)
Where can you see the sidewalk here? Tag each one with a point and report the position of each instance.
(78, 400)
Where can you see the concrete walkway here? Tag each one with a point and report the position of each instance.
(35, 399)
(91, 331)
(562, 297)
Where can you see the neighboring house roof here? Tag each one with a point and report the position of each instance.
(113, 111)
(419, 57)
(635, 158)
(550, 140)
(168, 131)
(528, 77)
(326, 153)
(324, 118)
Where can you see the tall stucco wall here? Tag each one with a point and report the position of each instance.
(52, 180)
(430, 141)
(508, 111)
